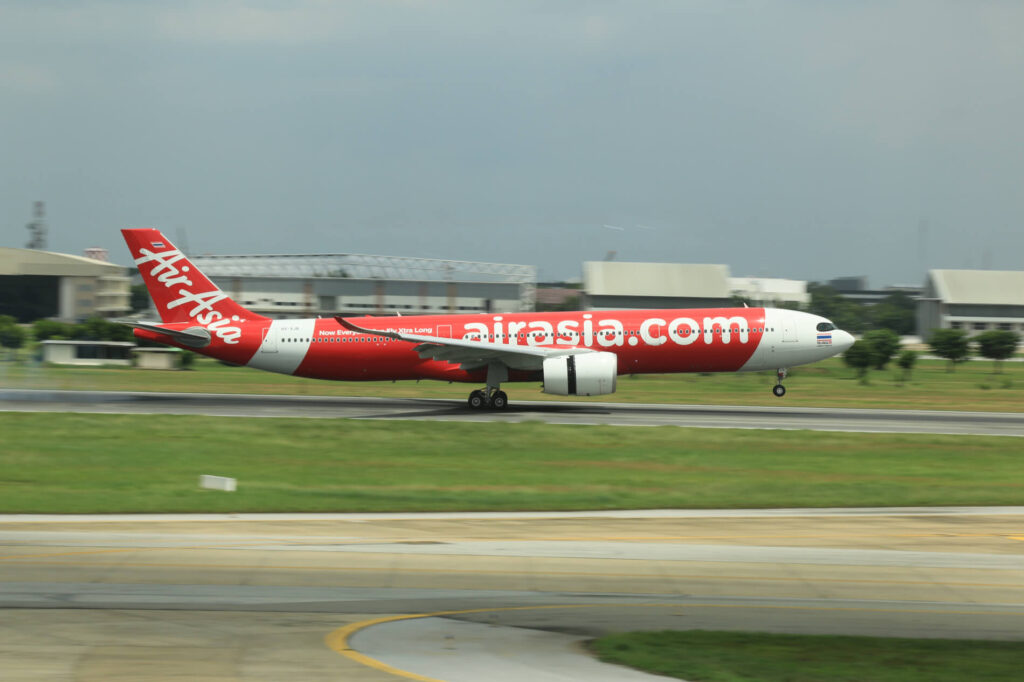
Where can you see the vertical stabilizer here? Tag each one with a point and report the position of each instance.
(179, 290)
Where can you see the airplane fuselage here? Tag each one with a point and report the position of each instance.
(573, 353)
(644, 341)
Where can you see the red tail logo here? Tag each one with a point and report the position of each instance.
(180, 291)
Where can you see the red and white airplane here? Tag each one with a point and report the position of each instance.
(572, 353)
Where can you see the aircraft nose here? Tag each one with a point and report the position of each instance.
(842, 340)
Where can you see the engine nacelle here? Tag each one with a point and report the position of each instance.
(584, 374)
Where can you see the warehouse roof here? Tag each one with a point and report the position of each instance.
(32, 262)
(993, 287)
(362, 266)
(605, 278)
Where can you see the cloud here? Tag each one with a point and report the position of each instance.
(27, 79)
(237, 22)
(215, 22)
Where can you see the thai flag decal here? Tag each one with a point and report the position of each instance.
(158, 245)
(825, 339)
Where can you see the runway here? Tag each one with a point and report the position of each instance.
(709, 416)
(500, 596)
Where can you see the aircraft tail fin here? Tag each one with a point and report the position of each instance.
(180, 292)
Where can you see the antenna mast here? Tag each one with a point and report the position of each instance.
(37, 227)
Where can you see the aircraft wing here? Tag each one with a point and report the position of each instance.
(471, 354)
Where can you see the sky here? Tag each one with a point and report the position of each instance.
(803, 139)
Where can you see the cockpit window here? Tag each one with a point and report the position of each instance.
(825, 326)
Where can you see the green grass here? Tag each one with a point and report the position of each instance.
(973, 386)
(64, 463)
(700, 656)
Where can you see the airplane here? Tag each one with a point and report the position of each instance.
(572, 353)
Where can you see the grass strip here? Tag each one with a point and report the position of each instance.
(77, 463)
(701, 656)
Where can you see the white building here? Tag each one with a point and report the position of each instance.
(90, 353)
(283, 286)
(972, 300)
(609, 285)
(770, 292)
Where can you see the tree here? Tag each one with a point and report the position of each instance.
(99, 329)
(11, 335)
(906, 361)
(997, 345)
(951, 344)
(884, 344)
(859, 356)
(188, 358)
(845, 314)
(140, 299)
(897, 312)
(44, 330)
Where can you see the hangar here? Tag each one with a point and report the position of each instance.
(284, 286)
(609, 285)
(972, 300)
(40, 284)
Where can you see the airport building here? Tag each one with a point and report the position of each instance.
(770, 292)
(856, 289)
(609, 285)
(972, 300)
(289, 286)
(39, 284)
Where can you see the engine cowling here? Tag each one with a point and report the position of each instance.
(584, 374)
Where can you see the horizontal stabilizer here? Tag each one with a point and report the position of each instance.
(193, 337)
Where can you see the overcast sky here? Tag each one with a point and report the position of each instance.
(785, 139)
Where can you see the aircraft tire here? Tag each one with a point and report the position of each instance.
(476, 400)
(779, 391)
(499, 401)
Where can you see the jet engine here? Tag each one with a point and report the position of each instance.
(583, 374)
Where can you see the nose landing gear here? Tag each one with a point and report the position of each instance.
(779, 390)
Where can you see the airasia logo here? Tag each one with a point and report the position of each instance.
(167, 273)
(609, 332)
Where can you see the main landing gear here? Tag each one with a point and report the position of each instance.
(491, 397)
(779, 390)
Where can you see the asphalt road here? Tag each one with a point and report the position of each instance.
(479, 596)
(231, 405)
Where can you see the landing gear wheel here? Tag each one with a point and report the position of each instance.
(499, 401)
(477, 400)
(779, 389)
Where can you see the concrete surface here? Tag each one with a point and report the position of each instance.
(239, 597)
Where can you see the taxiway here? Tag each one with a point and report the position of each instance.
(446, 596)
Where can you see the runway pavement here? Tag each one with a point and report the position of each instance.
(232, 405)
(479, 596)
